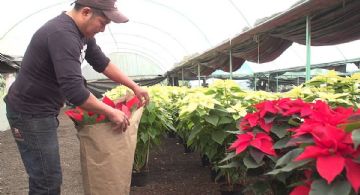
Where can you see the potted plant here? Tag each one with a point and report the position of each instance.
(308, 145)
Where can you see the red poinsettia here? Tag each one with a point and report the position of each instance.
(82, 117)
(306, 187)
(289, 107)
(261, 141)
(324, 132)
(333, 149)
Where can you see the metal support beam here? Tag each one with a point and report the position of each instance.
(277, 82)
(199, 75)
(254, 82)
(182, 76)
(308, 47)
(230, 62)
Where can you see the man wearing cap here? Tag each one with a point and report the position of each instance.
(50, 74)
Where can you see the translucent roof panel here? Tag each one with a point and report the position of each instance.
(295, 56)
(162, 31)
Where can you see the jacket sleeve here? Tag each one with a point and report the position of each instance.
(65, 52)
(95, 56)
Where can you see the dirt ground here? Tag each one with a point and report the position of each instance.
(171, 171)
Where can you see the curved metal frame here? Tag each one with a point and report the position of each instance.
(144, 49)
(167, 50)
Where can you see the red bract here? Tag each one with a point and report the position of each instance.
(298, 106)
(261, 141)
(250, 120)
(76, 114)
(132, 102)
(324, 114)
(301, 190)
(265, 126)
(306, 187)
(352, 173)
(83, 117)
(266, 107)
(108, 101)
(330, 156)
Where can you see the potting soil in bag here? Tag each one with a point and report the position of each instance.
(107, 156)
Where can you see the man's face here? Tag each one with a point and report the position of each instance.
(94, 23)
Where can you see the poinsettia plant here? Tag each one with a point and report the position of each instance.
(82, 117)
(307, 148)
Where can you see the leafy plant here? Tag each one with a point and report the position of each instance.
(306, 145)
(155, 120)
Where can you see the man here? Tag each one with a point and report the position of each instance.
(50, 74)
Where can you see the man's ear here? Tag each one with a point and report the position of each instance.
(86, 11)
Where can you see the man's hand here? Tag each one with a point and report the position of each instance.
(142, 95)
(120, 120)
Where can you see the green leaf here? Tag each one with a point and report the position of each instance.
(218, 136)
(260, 187)
(144, 137)
(234, 132)
(195, 131)
(151, 118)
(282, 143)
(303, 139)
(228, 157)
(294, 122)
(233, 164)
(212, 119)
(269, 119)
(218, 111)
(152, 132)
(250, 163)
(257, 155)
(151, 106)
(320, 187)
(225, 120)
(355, 135)
(288, 157)
(289, 167)
(350, 126)
(144, 118)
(280, 130)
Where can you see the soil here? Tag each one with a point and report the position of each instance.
(171, 170)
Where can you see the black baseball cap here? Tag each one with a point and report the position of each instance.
(108, 7)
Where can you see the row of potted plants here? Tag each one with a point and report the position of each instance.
(211, 120)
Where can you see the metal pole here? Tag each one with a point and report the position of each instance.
(254, 82)
(230, 62)
(182, 76)
(298, 81)
(277, 82)
(308, 47)
(268, 84)
(231, 66)
(199, 75)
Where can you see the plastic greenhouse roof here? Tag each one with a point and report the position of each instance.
(165, 33)
(275, 43)
(160, 32)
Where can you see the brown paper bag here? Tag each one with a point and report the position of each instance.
(107, 157)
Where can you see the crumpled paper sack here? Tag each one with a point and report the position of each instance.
(107, 157)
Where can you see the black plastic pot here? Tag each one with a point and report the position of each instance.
(235, 189)
(187, 149)
(139, 179)
(205, 162)
(214, 174)
(171, 134)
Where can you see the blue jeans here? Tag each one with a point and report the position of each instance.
(36, 139)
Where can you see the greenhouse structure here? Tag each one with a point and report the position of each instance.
(246, 97)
